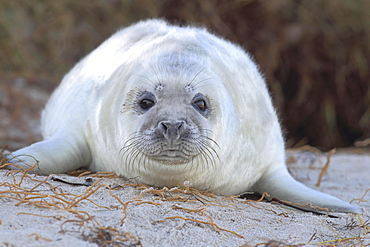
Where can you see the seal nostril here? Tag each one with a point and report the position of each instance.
(164, 126)
(172, 129)
(180, 125)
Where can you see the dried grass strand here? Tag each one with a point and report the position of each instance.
(326, 166)
(197, 221)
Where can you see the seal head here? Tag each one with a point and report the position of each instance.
(173, 114)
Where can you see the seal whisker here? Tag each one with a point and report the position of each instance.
(198, 146)
(132, 149)
(209, 152)
(145, 77)
(129, 143)
(155, 72)
(136, 156)
(128, 153)
(133, 143)
(211, 140)
(196, 75)
(205, 162)
(201, 81)
(209, 147)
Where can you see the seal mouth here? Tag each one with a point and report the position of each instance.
(193, 148)
(172, 157)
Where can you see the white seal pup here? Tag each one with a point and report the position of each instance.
(167, 104)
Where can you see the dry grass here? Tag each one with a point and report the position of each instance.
(28, 189)
(314, 54)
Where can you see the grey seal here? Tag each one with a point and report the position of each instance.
(167, 104)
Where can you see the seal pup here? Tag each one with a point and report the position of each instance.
(167, 104)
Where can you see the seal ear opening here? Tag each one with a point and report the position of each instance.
(281, 185)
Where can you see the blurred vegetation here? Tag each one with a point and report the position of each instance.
(314, 54)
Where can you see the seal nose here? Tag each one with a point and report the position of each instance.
(172, 129)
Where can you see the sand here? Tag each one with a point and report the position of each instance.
(64, 210)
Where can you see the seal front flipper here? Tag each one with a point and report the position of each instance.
(58, 154)
(279, 184)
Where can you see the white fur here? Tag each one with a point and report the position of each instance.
(88, 119)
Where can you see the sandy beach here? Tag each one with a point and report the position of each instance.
(106, 210)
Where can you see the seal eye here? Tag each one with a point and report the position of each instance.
(201, 104)
(145, 101)
(146, 104)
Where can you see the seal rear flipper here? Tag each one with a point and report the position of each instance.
(281, 185)
(54, 155)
